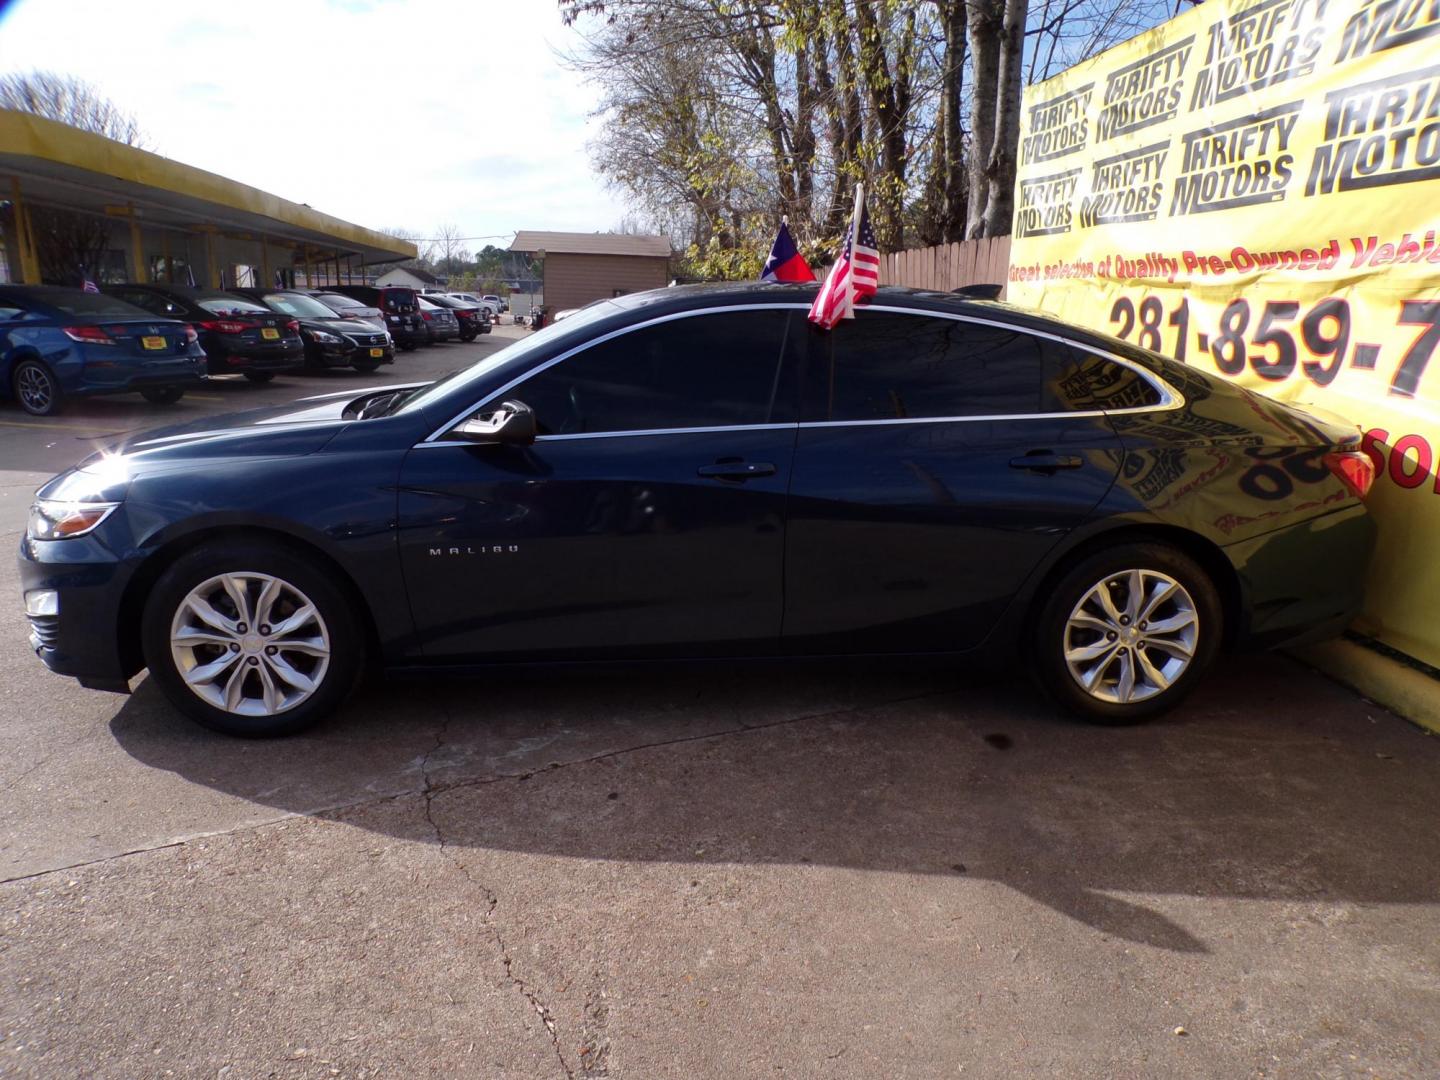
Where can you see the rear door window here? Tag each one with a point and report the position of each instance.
(889, 366)
(718, 370)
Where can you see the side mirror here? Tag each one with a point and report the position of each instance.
(512, 424)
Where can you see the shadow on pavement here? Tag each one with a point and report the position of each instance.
(1270, 784)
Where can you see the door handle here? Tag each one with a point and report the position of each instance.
(736, 470)
(1046, 461)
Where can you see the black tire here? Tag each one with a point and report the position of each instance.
(36, 389)
(367, 366)
(259, 376)
(295, 570)
(1053, 632)
(163, 395)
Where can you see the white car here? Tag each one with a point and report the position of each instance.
(492, 303)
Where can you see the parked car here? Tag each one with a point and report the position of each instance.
(700, 472)
(58, 343)
(330, 341)
(239, 335)
(401, 307)
(472, 319)
(499, 305)
(490, 303)
(349, 308)
(440, 322)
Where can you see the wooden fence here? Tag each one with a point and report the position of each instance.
(949, 266)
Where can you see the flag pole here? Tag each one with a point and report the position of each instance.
(854, 233)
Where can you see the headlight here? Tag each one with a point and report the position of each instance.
(54, 520)
(324, 338)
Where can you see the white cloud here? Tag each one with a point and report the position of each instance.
(381, 112)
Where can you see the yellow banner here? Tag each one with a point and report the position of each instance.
(1254, 189)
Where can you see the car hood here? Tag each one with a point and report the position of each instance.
(299, 427)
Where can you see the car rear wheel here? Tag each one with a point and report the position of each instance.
(36, 388)
(163, 395)
(259, 376)
(251, 639)
(1126, 633)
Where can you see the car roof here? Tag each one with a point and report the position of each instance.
(724, 294)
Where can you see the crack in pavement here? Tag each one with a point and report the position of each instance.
(428, 794)
(742, 728)
(479, 781)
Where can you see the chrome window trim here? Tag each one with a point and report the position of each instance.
(628, 434)
(1170, 398)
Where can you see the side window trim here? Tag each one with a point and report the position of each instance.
(1170, 398)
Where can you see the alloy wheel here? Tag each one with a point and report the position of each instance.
(1131, 636)
(35, 388)
(250, 643)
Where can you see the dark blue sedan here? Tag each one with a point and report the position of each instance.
(699, 472)
(57, 343)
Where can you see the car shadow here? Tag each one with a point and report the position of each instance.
(1270, 784)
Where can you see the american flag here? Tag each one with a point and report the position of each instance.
(855, 275)
(86, 284)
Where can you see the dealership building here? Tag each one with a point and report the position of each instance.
(143, 217)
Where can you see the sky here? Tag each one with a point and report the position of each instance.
(410, 113)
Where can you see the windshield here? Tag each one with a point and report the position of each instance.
(511, 354)
(229, 305)
(299, 305)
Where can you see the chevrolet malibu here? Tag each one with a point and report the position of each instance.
(699, 472)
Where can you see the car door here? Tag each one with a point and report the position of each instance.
(646, 519)
(938, 460)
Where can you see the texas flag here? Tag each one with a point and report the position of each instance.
(785, 262)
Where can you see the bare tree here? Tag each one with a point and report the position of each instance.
(451, 254)
(70, 101)
(718, 116)
(425, 257)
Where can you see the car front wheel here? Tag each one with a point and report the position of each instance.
(251, 639)
(1126, 633)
